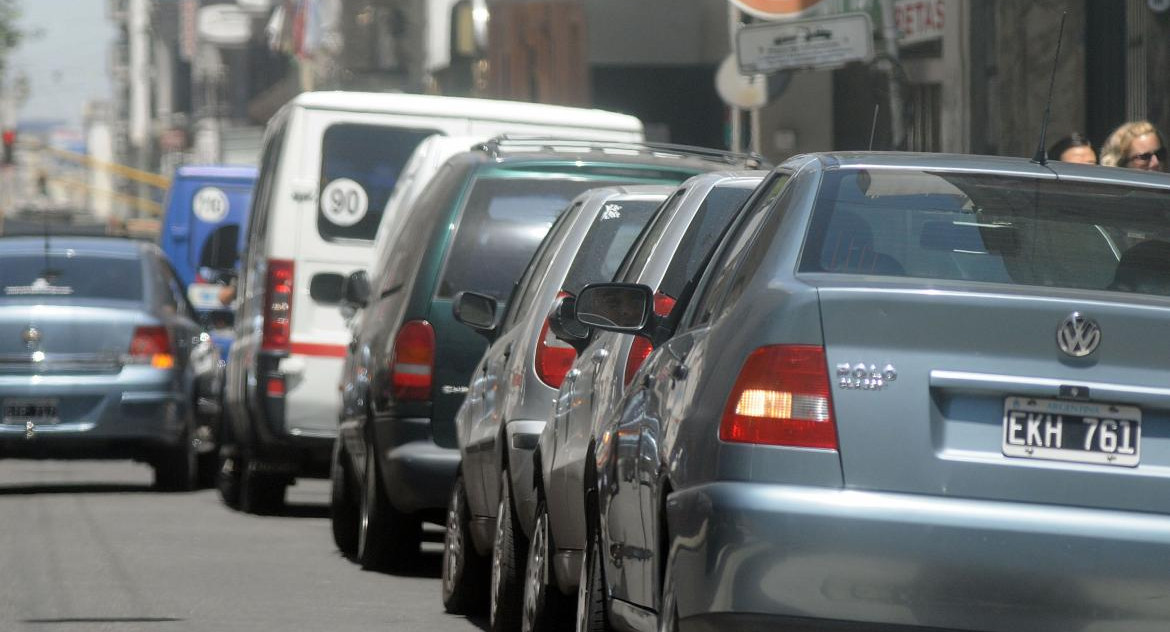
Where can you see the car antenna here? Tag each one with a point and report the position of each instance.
(1041, 156)
(873, 125)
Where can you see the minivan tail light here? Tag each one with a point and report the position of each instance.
(413, 363)
(151, 345)
(278, 301)
(554, 357)
(782, 397)
(641, 348)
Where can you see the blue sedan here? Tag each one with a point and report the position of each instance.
(100, 355)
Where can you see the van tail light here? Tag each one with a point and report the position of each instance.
(278, 302)
(781, 397)
(640, 349)
(151, 345)
(554, 357)
(413, 364)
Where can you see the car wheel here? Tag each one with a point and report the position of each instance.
(508, 557)
(387, 538)
(207, 451)
(464, 569)
(261, 493)
(591, 616)
(344, 508)
(175, 469)
(227, 478)
(545, 606)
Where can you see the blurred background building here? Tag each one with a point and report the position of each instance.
(195, 80)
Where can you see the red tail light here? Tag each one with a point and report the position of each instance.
(151, 345)
(278, 301)
(641, 347)
(554, 357)
(413, 364)
(781, 397)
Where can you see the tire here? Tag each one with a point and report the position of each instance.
(591, 611)
(344, 508)
(668, 614)
(387, 538)
(464, 569)
(261, 493)
(546, 608)
(175, 469)
(509, 553)
(227, 478)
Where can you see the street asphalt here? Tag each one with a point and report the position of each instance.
(89, 546)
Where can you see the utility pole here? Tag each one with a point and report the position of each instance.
(890, 41)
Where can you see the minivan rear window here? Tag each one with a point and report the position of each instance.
(360, 165)
(503, 223)
(70, 277)
(991, 228)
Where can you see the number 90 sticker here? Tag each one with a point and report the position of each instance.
(210, 205)
(344, 202)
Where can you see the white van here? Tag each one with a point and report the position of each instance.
(331, 161)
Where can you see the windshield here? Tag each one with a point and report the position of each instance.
(995, 229)
(70, 276)
(503, 222)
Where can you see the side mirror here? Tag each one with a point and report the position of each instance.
(563, 323)
(620, 307)
(477, 311)
(355, 290)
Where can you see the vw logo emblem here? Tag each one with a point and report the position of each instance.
(31, 336)
(1078, 336)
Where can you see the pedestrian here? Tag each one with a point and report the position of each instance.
(1135, 145)
(1073, 148)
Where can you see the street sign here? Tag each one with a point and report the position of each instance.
(736, 90)
(814, 44)
(776, 8)
(224, 25)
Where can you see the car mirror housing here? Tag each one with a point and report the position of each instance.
(620, 307)
(355, 290)
(477, 311)
(563, 323)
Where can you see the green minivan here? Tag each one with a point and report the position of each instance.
(474, 228)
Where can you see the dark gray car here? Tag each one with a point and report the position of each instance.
(666, 256)
(100, 355)
(910, 391)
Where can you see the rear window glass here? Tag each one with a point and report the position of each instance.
(978, 227)
(503, 222)
(708, 224)
(360, 165)
(609, 239)
(59, 275)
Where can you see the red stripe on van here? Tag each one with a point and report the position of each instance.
(319, 350)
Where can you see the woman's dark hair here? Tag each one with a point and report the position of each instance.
(1074, 139)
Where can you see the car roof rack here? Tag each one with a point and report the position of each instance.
(498, 146)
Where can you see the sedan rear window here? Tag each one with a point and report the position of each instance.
(991, 228)
(76, 276)
(504, 221)
(609, 239)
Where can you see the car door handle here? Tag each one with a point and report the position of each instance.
(680, 372)
(600, 355)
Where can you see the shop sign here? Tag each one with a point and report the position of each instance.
(919, 20)
(805, 44)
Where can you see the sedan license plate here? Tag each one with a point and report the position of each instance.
(38, 411)
(1081, 432)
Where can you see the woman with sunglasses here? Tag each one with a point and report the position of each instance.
(1135, 145)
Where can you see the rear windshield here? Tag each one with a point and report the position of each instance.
(503, 222)
(708, 224)
(359, 168)
(605, 245)
(977, 227)
(68, 277)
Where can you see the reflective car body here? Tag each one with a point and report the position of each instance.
(100, 354)
(665, 257)
(911, 390)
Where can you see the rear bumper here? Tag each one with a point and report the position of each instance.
(118, 415)
(416, 473)
(753, 553)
